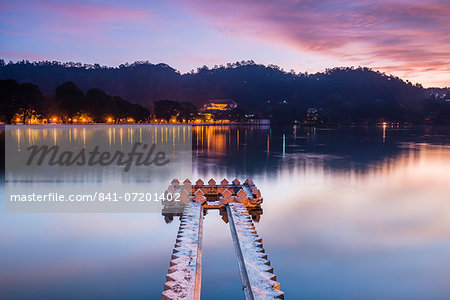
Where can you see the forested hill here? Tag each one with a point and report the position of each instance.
(251, 85)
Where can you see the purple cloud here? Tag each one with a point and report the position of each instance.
(413, 36)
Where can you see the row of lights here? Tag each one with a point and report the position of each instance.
(55, 119)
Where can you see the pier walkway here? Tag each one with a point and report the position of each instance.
(236, 201)
(183, 280)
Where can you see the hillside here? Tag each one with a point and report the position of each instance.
(248, 83)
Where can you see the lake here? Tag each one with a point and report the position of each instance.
(349, 213)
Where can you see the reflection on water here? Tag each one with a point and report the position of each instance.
(126, 135)
(109, 160)
(348, 213)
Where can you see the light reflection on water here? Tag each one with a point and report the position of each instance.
(348, 213)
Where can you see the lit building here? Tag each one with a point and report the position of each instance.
(220, 104)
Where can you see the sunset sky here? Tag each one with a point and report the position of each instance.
(407, 38)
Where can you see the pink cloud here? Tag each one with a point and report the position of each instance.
(82, 12)
(413, 35)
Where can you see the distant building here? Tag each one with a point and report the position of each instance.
(219, 104)
(259, 121)
(311, 117)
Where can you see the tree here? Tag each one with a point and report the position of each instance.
(8, 98)
(127, 110)
(123, 108)
(100, 105)
(29, 98)
(70, 99)
(139, 113)
(23, 99)
(188, 112)
(166, 109)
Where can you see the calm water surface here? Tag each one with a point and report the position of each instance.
(358, 213)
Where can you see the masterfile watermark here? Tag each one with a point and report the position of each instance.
(101, 197)
(53, 156)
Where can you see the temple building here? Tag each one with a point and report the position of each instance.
(220, 104)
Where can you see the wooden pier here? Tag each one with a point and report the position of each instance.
(183, 280)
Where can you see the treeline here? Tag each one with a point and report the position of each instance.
(25, 101)
(21, 103)
(340, 94)
(251, 85)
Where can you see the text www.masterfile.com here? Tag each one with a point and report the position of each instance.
(95, 197)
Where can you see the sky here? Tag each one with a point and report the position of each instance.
(406, 38)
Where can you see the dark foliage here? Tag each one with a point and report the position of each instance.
(69, 101)
(165, 109)
(15, 98)
(235, 115)
(340, 94)
(100, 105)
(188, 111)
